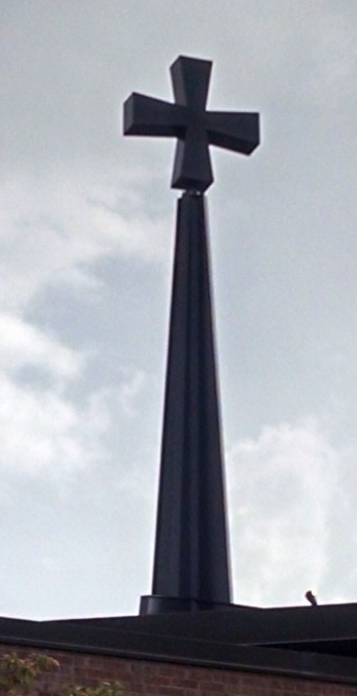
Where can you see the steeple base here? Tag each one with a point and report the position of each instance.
(151, 605)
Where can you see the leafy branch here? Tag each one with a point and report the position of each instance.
(19, 677)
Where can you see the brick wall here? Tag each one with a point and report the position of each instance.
(162, 679)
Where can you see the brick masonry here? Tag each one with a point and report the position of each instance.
(163, 679)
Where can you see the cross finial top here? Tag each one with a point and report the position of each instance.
(193, 126)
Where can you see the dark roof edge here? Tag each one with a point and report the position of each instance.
(149, 647)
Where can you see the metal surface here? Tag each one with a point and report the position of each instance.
(188, 121)
(191, 556)
(118, 638)
(191, 564)
(331, 630)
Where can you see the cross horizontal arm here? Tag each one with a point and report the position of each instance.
(233, 131)
(189, 122)
(147, 116)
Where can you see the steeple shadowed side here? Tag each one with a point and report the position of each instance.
(191, 565)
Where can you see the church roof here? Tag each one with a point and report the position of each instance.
(310, 642)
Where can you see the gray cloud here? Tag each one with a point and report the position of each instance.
(87, 235)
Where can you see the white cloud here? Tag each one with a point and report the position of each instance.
(23, 345)
(44, 431)
(53, 229)
(44, 434)
(280, 491)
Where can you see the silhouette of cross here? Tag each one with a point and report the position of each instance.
(188, 121)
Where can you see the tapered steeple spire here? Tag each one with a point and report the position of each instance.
(191, 556)
(191, 562)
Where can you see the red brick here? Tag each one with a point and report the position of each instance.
(141, 677)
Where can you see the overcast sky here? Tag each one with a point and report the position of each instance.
(87, 228)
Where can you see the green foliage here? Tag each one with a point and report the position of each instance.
(19, 675)
(103, 689)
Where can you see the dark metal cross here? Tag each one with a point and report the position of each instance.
(188, 121)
